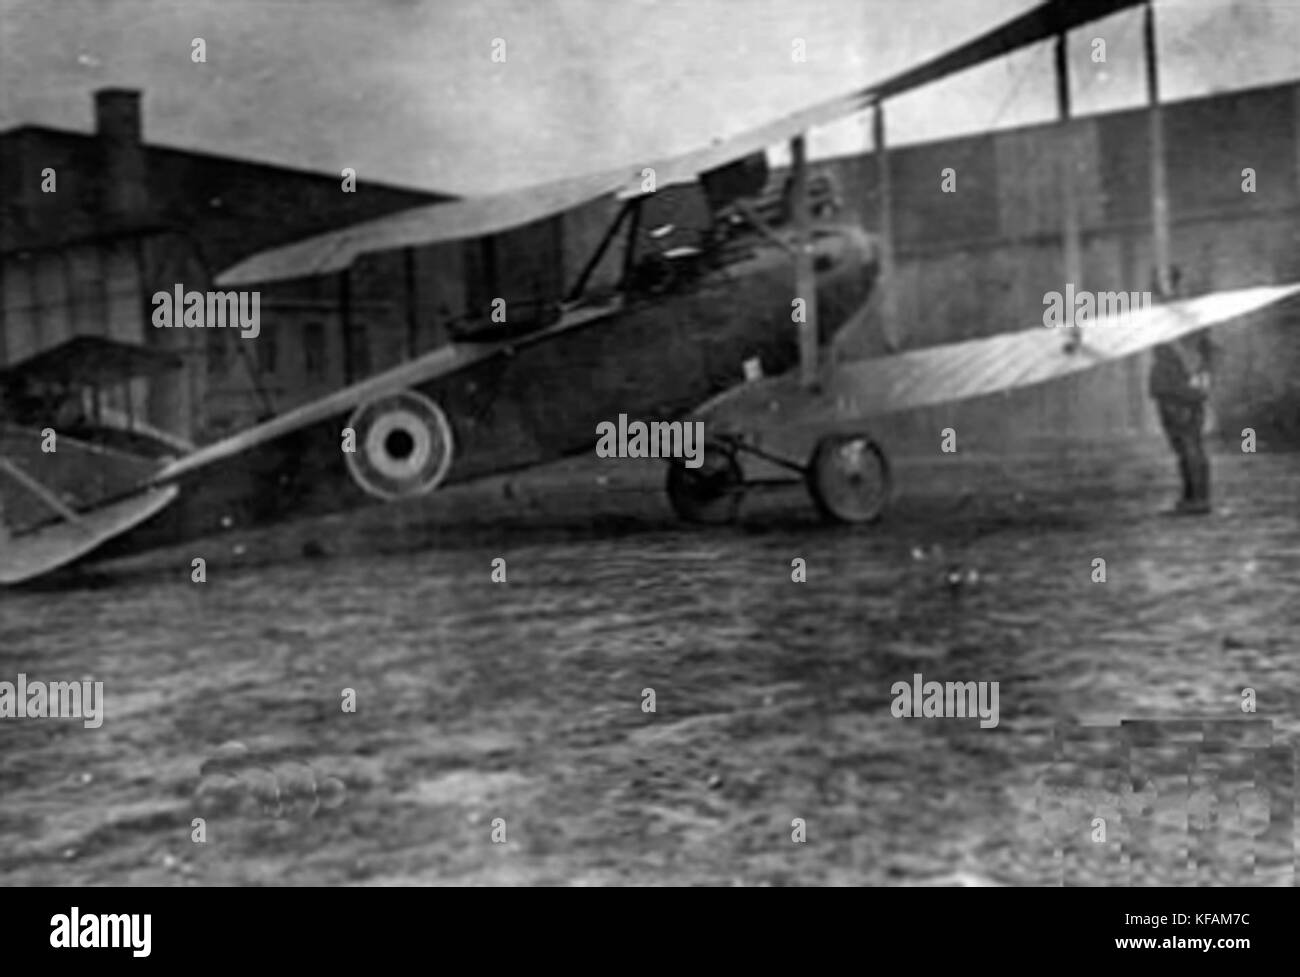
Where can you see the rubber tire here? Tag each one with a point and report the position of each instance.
(819, 469)
(718, 508)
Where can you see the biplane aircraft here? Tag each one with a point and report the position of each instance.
(61, 504)
(668, 343)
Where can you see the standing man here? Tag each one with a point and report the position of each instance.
(1179, 382)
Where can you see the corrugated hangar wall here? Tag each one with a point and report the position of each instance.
(980, 260)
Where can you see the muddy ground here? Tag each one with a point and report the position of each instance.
(523, 701)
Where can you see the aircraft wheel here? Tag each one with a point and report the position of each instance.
(709, 494)
(848, 478)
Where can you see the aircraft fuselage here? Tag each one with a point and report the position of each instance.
(654, 357)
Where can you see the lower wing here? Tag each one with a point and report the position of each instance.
(37, 552)
(972, 368)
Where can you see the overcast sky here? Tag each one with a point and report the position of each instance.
(406, 91)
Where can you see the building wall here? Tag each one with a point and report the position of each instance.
(980, 261)
(969, 264)
(128, 219)
(94, 287)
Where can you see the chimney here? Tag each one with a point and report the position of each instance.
(123, 193)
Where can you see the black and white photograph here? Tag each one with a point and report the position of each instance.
(650, 443)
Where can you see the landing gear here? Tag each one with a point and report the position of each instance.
(711, 493)
(847, 477)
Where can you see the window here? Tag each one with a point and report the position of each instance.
(267, 353)
(360, 350)
(217, 362)
(315, 356)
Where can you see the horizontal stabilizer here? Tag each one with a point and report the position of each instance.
(31, 554)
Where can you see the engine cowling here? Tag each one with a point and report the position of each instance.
(404, 446)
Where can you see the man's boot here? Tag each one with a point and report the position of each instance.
(1198, 500)
(1185, 476)
(1202, 499)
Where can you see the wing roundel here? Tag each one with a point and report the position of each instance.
(404, 446)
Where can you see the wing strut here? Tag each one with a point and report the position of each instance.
(805, 281)
(1065, 142)
(1159, 183)
(39, 490)
(886, 280)
(1068, 169)
(580, 285)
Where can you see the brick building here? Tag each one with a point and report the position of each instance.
(129, 218)
(978, 261)
(126, 219)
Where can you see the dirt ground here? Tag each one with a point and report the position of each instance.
(523, 701)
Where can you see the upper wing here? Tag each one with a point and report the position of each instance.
(473, 217)
(1044, 21)
(451, 221)
(959, 371)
